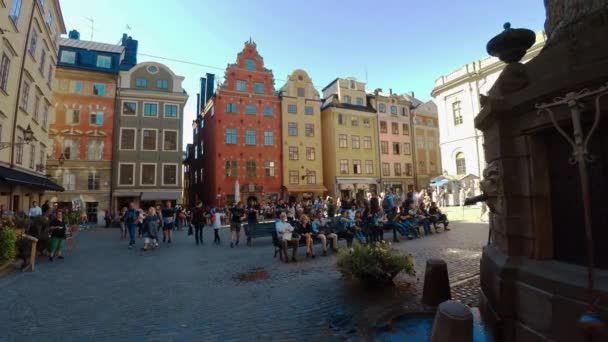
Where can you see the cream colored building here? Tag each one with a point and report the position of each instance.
(301, 133)
(350, 136)
(29, 32)
(427, 154)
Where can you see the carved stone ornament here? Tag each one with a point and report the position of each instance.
(490, 185)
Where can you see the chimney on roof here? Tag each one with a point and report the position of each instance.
(390, 91)
(210, 86)
(412, 94)
(74, 35)
(130, 59)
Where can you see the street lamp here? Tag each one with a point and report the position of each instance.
(61, 160)
(28, 136)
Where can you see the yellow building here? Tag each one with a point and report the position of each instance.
(301, 132)
(350, 140)
(28, 54)
(427, 157)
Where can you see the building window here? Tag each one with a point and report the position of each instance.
(404, 111)
(369, 167)
(308, 110)
(170, 174)
(169, 140)
(366, 123)
(293, 153)
(94, 149)
(408, 169)
(249, 64)
(396, 148)
(267, 111)
(25, 94)
(45, 115)
(393, 110)
(69, 180)
(309, 130)
(359, 101)
(104, 62)
(231, 136)
(250, 109)
(96, 118)
(76, 87)
(344, 166)
(433, 167)
(250, 168)
(430, 123)
(162, 84)
(141, 83)
(341, 119)
(42, 62)
(356, 141)
(71, 149)
(129, 108)
(382, 108)
(294, 177)
(68, 57)
(354, 122)
(148, 174)
(292, 109)
(241, 85)
(15, 10)
(231, 108)
(49, 76)
(420, 142)
(405, 128)
(36, 112)
(311, 177)
(347, 99)
(230, 168)
(33, 43)
(310, 153)
(357, 167)
(461, 167)
(99, 89)
(4, 69)
(430, 142)
(384, 147)
(367, 142)
(422, 167)
(250, 137)
(386, 169)
(19, 150)
(301, 92)
(394, 128)
(42, 156)
(32, 155)
(170, 111)
(126, 172)
(292, 129)
(457, 113)
(342, 141)
(150, 109)
(383, 128)
(407, 148)
(148, 140)
(49, 19)
(417, 121)
(269, 168)
(258, 88)
(268, 139)
(93, 181)
(127, 138)
(397, 169)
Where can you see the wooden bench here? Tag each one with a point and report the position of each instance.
(31, 264)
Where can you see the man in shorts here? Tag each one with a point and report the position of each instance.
(237, 214)
(168, 215)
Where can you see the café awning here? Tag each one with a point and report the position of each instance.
(306, 188)
(17, 177)
(161, 195)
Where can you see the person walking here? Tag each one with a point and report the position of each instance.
(150, 229)
(123, 226)
(216, 220)
(131, 219)
(59, 231)
(198, 221)
(168, 216)
(252, 219)
(45, 207)
(237, 215)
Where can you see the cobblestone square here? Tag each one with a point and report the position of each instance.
(103, 291)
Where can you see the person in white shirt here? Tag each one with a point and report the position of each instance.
(286, 237)
(35, 210)
(217, 224)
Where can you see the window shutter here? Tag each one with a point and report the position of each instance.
(99, 118)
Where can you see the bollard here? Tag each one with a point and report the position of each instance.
(436, 283)
(453, 323)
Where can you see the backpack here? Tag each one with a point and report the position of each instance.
(130, 216)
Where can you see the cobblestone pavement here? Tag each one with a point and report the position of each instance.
(103, 291)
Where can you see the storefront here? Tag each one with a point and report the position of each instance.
(19, 189)
(356, 188)
(295, 193)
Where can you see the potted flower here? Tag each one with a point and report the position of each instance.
(374, 264)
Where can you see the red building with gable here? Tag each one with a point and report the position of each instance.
(241, 134)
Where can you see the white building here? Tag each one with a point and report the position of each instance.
(457, 97)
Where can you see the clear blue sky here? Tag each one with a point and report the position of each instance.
(400, 44)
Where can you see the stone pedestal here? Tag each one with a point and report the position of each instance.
(453, 323)
(436, 283)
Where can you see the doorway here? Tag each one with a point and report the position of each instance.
(92, 211)
(16, 202)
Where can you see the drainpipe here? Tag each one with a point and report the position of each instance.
(414, 149)
(381, 185)
(117, 112)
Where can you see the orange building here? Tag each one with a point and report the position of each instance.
(81, 130)
(241, 134)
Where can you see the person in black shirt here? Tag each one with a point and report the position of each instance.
(252, 219)
(168, 215)
(304, 229)
(58, 230)
(198, 221)
(237, 214)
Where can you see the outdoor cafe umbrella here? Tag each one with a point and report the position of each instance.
(237, 192)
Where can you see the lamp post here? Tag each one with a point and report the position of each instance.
(28, 137)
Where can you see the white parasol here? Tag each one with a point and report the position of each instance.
(237, 192)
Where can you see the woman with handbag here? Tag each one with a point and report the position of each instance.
(304, 229)
(150, 229)
(58, 230)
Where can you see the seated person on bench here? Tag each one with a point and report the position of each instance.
(286, 237)
(343, 228)
(322, 231)
(437, 216)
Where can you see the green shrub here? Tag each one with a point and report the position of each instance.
(8, 244)
(375, 263)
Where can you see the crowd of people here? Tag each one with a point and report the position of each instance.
(361, 219)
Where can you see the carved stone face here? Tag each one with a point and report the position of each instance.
(490, 185)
